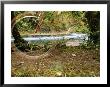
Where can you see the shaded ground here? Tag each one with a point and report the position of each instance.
(63, 62)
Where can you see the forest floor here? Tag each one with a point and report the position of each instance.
(63, 62)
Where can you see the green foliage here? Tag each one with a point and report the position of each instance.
(81, 29)
(18, 12)
(93, 20)
(27, 24)
(78, 14)
(48, 15)
(54, 22)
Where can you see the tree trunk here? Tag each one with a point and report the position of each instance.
(93, 19)
(19, 42)
(40, 18)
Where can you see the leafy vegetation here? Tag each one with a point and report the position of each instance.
(53, 21)
(93, 20)
(62, 60)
